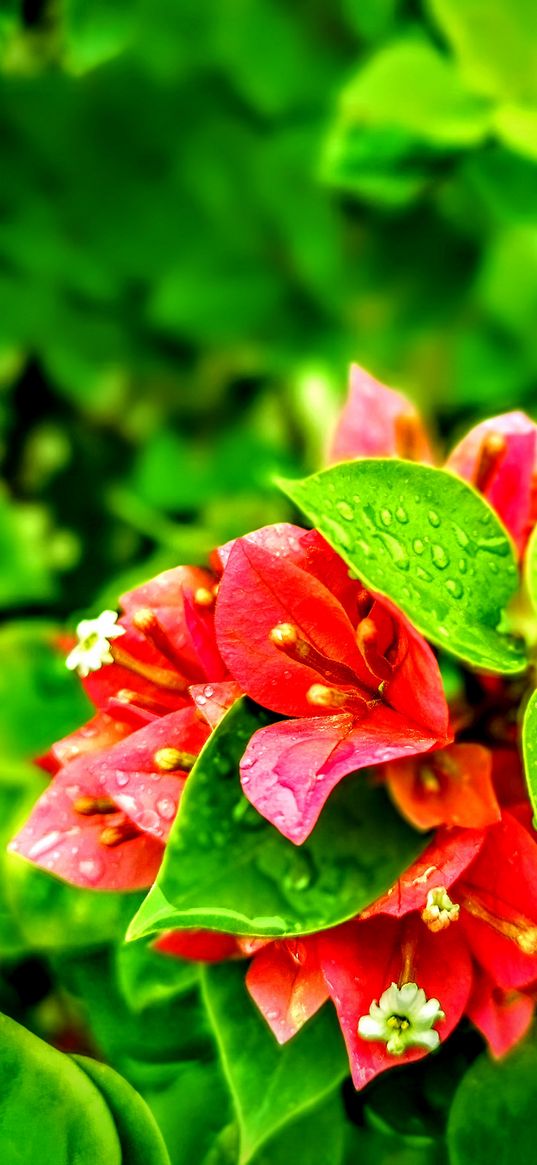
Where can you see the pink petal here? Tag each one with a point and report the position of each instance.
(372, 423)
(509, 488)
(290, 768)
(66, 843)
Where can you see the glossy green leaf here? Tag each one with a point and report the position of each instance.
(139, 1136)
(228, 869)
(530, 567)
(430, 543)
(494, 1117)
(529, 746)
(270, 1084)
(50, 1110)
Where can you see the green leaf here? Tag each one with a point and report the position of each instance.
(530, 567)
(270, 1085)
(516, 127)
(494, 1117)
(228, 869)
(410, 85)
(146, 977)
(139, 1136)
(529, 746)
(495, 42)
(430, 543)
(50, 1110)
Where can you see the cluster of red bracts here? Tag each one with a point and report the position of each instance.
(279, 618)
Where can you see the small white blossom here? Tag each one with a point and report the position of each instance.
(439, 911)
(93, 647)
(403, 1018)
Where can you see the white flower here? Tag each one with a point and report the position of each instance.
(93, 647)
(403, 1018)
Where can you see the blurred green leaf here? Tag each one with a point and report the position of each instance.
(493, 1113)
(495, 42)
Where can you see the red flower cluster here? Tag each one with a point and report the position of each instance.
(279, 618)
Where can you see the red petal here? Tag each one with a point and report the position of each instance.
(503, 883)
(166, 589)
(67, 844)
(287, 984)
(447, 857)
(259, 591)
(508, 776)
(289, 769)
(361, 959)
(503, 1017)
(200, 945)
(509, 488)
(281, 539)
(213, 700)
(370, 423)
(416, 689)
(450, 787)
(130, 775)
(99, 733)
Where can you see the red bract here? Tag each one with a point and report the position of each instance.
(498, 456)
(303, 639)
(167, 644)
(104, 819)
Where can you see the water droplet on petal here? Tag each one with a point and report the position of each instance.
(167, 808)
(148, 820)
(91, 870)
(122, 778)
(44, 844)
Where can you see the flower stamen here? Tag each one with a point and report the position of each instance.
(439, 911)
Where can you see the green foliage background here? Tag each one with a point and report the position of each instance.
(208, 208)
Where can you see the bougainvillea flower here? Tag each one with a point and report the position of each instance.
(452, 786)
(105, 817)
(363, 683)
(377, 421)
(140, 665)
(493, 899)
(286, 982)
(498, 456)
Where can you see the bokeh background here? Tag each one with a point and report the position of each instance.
(207, 209)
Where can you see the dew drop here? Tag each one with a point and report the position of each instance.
(455, 588)
(91, 869)
(345, 510)
(433, 518)
(166, 807)
(463, 566)
(401, 515)
(493, 567)
(439, 556)
(208, 692)
(148, 820)
(418, 546)
(44, 844)
(425, 575)
(122, 779)
(386, 516)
